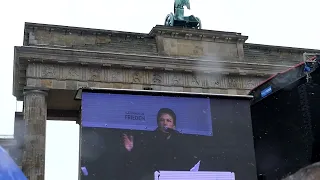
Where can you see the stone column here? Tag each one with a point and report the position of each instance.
(35, 116)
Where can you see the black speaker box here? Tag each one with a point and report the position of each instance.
(286, 125)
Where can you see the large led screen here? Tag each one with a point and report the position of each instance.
(128, 136)
(186, 115)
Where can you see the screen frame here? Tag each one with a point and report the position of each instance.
(78, 96)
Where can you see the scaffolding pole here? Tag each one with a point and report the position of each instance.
(310, 60)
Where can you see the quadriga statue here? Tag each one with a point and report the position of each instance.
(178, 19)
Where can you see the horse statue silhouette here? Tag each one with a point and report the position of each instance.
(178, 18)
(179, 8)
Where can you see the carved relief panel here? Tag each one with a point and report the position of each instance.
(215, 81)
(115, 75)
(156, 77)
(94, 74)
(195, 80)
(135, 76)
(175, 79)
(234, 82)
(71, 72)
(49, 71)
(141, 77)
(250, 83)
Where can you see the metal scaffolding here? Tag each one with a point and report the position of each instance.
(311, 61)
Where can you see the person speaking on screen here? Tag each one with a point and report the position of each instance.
(163, 149)
(166, 121)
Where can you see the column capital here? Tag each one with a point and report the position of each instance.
(29, 90)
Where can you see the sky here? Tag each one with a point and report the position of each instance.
(291, 23)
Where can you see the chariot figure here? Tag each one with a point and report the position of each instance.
(179, 8)
(178, 19)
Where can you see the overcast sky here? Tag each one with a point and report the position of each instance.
(275, 22)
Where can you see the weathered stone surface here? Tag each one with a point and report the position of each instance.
(35, 116)
(196, 80)
(211, 59)
(46, 83)
(174, 79)
(115, 75)
(44, 37)
(31, 82)
(71, 84)
(94, 74)
(156, 77)
(75, 85)
(170, 41)
(105, 85)
(217, 45)
(71, 73)
(275, 55)
(97, 76)
(68, 57)
(136, 76)
(49, 71)
(215, 91)
(182, 47)
(59, 84)
(88, 39)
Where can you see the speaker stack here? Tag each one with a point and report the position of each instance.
(285, 116)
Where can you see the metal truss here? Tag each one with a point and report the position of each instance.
(310, 61)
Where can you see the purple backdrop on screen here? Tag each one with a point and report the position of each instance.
(139, 112)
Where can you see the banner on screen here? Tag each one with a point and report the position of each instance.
(185, 175)
(143, 112)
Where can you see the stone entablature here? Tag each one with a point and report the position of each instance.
(29, 54)
(198, 35)
(275, 54)
(88, 39)
(58, 64)
(219, 60)
(72, 77)
(202, 44)
(161, 40)
(223, 44)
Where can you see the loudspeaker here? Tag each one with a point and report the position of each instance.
(286, 128)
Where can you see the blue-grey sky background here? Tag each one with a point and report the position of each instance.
(292, 23)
